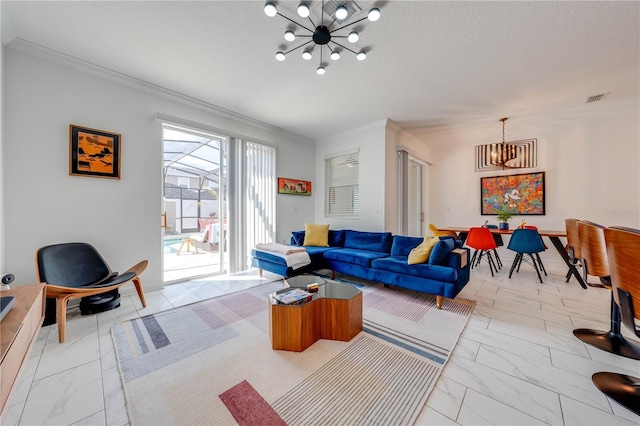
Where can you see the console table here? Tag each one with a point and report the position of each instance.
(20, 328)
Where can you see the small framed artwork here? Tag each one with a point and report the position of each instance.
(522, 193)
(93, 153)
(294, 186)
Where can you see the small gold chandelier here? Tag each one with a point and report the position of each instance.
(501, 154)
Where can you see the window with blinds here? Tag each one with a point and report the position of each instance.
(342, 177)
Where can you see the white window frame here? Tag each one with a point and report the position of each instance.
(342, 183)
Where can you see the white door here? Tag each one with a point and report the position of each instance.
(414, 201)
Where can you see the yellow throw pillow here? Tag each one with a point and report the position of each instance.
(316, 235)
(421, 253)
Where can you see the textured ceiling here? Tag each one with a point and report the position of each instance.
(429, 63)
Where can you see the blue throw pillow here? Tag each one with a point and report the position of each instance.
(441, 250)
(298, 237)
(336, 238)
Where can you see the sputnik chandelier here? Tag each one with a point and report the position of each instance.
(322, 33)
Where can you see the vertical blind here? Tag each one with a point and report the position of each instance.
(342, 178)
(260, 194)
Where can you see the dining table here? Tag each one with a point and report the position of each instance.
(553, 236)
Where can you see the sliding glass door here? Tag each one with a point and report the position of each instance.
(219, 201)
(195, 203)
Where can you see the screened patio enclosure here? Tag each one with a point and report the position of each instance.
(192, 174)
(194, 191)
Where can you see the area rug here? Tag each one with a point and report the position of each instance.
(212, 363)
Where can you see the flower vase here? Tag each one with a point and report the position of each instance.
(503, 226)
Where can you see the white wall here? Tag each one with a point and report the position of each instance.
(370, 140)
(2, 270)
(590, 156)
(121, 218)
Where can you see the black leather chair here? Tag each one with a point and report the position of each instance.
(76, 270)
(623, 252)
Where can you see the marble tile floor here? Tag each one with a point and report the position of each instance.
(517, 361)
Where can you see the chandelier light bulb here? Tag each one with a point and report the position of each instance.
(361, 56)
(374, 14)
(353, 37)
(342, 12)
(280, 56)
(303, 10)
(306, 55)
(289, 35)
(320, 70)
(335, 55)
(270, 10)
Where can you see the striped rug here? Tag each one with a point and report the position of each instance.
(212, 363)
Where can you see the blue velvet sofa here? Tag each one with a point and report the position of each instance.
(381, 257)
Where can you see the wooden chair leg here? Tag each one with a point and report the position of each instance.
(439, 302)
(260, 272)
(136, 282)
(182, 245)
(61, 317)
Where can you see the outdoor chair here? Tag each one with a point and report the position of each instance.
(194, 240)
(76, 270)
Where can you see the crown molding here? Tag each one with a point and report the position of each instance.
(54, 56)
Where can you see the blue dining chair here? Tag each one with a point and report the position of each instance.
(527, 242)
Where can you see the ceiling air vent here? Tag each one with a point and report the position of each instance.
(596, 98)
(331, 6)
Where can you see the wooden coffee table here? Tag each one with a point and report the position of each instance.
(334, 313)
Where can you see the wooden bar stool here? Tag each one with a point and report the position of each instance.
(594, 254)
(623, 252)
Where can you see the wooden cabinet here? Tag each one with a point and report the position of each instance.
(18, 331)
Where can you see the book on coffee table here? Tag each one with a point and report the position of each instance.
(293, 296)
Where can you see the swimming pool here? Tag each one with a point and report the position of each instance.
(168, 242)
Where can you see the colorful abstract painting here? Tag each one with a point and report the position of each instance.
(522, 193)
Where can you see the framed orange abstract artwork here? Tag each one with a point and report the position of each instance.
(94, 153)
(294, 186)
